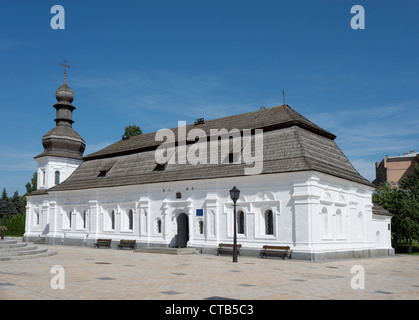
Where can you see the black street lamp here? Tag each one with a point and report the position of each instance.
(235, 194)
(3, 211)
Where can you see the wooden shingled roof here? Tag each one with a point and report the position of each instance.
(376, 209)
(291, 143)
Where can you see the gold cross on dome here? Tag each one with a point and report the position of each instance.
(65, 65)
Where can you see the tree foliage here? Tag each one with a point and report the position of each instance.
(32, 186)
(403, 202)
(15, 209)
(131, 131)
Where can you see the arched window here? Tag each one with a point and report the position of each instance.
(112, 220)
(240, 222)
(269, 222)
(201, 227)
(360, 225)
(158, 226)
(57, 177)
(84, 219)
(130, 219)
(339, 222)
(69, 219)
(325, 223)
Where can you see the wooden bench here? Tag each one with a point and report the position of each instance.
(126, 244)
(227, 247)
(103, 243)
(281, 251)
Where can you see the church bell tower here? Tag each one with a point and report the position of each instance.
(63, 146)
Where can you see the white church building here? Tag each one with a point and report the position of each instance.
(304, 194)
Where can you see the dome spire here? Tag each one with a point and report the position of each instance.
(65, 65)
(65, 97)
(63, 140)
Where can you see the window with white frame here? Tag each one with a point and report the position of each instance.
(200, 226)
(57, 177)
(340, 225)
(360, 225)
(67, 220)
(112, 219)
(158, 225)
(240, 222)
(325, 223)
(269, 222)
(83, 218)
(37, 220)
(130, 219)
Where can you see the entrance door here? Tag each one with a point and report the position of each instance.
(182, 231)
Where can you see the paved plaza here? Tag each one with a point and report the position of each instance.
(123, 274)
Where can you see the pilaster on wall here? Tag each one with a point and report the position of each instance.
(93, 217)
(191, 220)
(143, 211)
(304, 200)
(53, 218)
(210, 219)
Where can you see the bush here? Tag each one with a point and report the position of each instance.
(405, 249)
(15, 225)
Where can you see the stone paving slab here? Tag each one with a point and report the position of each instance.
(120, 274)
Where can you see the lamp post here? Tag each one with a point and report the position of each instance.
(235, 194)
(3, 211)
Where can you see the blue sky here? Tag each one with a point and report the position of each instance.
(154, 63)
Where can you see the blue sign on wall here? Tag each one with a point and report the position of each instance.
(199, 212)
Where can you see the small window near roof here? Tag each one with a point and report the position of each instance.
(160, 167)
(102, 173)
(105, 169)
(57, 177)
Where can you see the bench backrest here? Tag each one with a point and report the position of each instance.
(128, 241)
(228, 245)
(104, 240)
(266, 247)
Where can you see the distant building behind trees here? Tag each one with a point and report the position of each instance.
(393, 169)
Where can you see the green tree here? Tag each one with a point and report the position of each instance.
(390, 199)
(411, 182)
(32, 186)
(403, 203)
(15, 225)
(4, 198)
(17, 203)
(131, 131)
(409, 212)
(408, 219)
